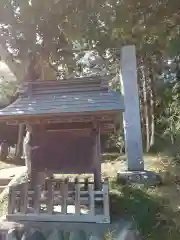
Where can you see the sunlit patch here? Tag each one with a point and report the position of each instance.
(30, 109)
(90, 100)
(63, 106)
(18, 112)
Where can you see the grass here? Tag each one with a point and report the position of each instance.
(152, 214)
(154, 210)
(3, 207)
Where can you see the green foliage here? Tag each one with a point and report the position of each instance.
(168, 107)
(53, 28)
(115, 142)
(173, 46)
(150, 213)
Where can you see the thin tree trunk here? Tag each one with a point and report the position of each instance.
(171, 134)
(152, 138)
(152, 105)
(140, 84)
(145, 100)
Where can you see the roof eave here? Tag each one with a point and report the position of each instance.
(90, 116)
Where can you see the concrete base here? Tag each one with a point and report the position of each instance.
(139, 177)
(119, 229)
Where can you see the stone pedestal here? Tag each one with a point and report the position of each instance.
(118, 230)
(139, 177)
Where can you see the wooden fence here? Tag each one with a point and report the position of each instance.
(59, 200)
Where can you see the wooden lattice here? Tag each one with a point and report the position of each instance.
(59, 200)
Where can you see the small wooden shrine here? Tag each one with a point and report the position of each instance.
(64, 122)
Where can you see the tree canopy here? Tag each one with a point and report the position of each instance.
(83, 37)
(54, 28)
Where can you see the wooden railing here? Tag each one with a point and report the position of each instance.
(59, 200)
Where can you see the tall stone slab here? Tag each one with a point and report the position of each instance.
(132, 123)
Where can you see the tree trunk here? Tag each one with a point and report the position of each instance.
(19, 147)
(4, 151)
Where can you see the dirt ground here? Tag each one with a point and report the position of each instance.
(160, 207)
(110, 166)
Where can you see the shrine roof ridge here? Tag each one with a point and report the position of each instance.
(83, 84)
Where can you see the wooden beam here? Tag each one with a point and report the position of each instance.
(77, 197)
(24, 197)
(36, 198)
(106, 198)
(57, 218)
(27, 148)
(50, 196)
(11, 199)
(91, 199)
(61, 117)
(64, 192)
(97, 157)
(103, 129)
(64, 198)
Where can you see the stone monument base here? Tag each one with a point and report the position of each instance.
(139, 177)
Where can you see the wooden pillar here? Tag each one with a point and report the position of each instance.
(97, 158)
(35, 177)
(27, 148)
(19, 147)
(132, 124)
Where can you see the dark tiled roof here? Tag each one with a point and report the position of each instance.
(64, 96)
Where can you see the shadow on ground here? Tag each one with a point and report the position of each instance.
(110, 157)
(151, 215)
(14, 161)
